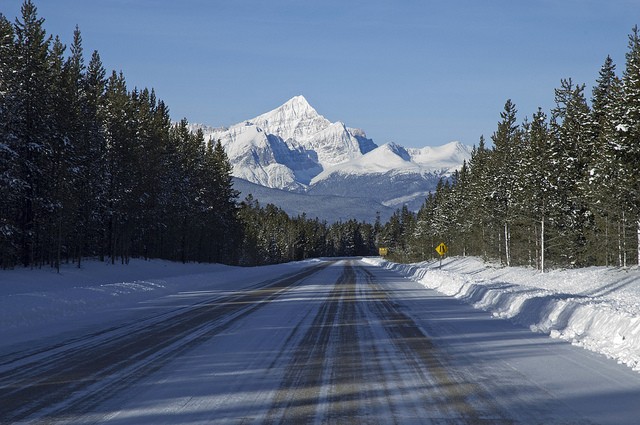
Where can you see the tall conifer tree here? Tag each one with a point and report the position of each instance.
(11, 183)
(603, 179)
(629, 129)
(32, 131)
(506, 142)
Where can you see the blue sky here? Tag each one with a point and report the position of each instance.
(413, 72)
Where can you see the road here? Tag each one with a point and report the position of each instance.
(339, 342)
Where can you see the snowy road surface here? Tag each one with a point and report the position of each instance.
(335, 342)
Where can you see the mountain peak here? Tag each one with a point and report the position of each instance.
(295, 108)
(295, 119)
(298, 102)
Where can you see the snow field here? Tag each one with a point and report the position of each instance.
(597, 308)
(37, 302)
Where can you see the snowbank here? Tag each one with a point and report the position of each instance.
(597, 308)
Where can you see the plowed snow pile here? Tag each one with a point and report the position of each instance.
(597, 308)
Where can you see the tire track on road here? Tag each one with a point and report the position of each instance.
(296, 399)
(363, 360)
(460, 400)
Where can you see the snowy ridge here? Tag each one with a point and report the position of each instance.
(597, 308)
(395, 159)
(449, 156)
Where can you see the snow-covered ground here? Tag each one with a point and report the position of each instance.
(224, 353)
(597, 308)
(38, 302)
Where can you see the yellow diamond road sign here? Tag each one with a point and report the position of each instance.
(442, 249)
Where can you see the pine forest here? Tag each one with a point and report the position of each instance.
(561, 189)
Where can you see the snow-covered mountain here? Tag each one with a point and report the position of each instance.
(391, 174)
(295, 148)
(288, 146)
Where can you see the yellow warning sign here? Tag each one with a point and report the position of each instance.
(442, 249)
(383, 251)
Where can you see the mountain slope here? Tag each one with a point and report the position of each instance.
(329, 208)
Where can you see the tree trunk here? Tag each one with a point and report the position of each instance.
(507, 236)
(620, 227)
(542, 244)
(59, 242)
(624, 240)
(536, 239)
(638, 239)
(606, 238)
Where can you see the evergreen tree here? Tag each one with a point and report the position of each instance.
(31, 128)
(603, 181)
(535, 188)
(11, 182)
(629, 133)
(219, 206)
(460, 202)
(60, 158)
(73, 120)
(479, 188)
(120, 158)
(506, 142)
(91, 162)
(392, 233)
(571, 132)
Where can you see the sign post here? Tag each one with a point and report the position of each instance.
(441, 249)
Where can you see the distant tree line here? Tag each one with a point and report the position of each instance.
(271, 236)
(558, 190)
